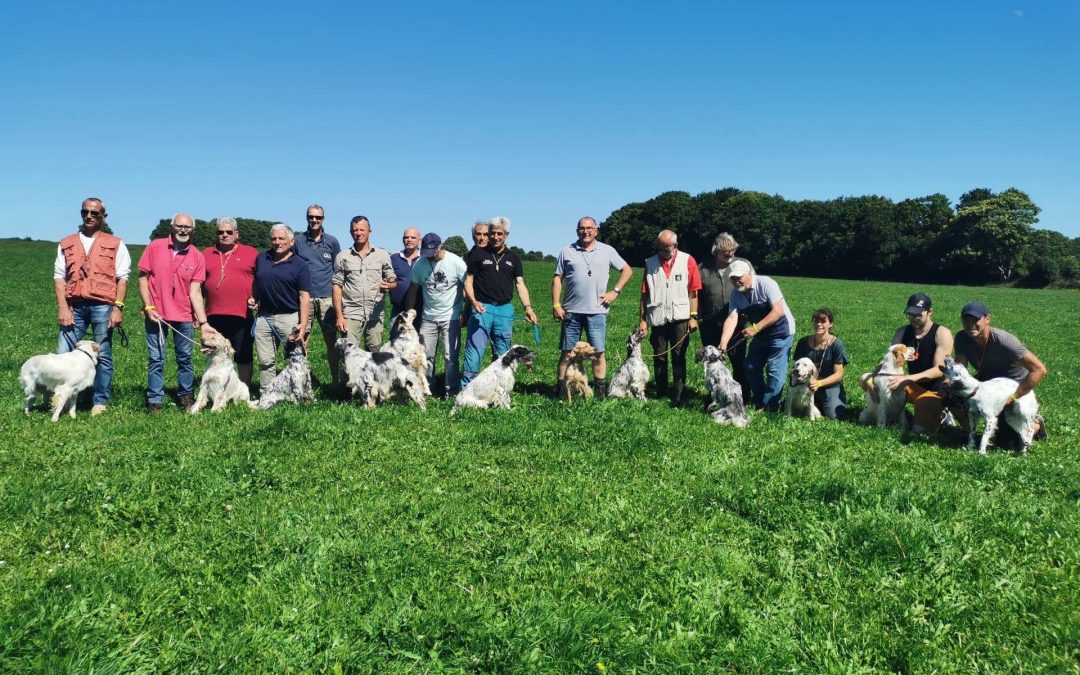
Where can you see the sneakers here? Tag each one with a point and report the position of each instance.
(98, 409)
(153, 408)
(1040, 435)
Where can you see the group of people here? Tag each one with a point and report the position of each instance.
(263, 301)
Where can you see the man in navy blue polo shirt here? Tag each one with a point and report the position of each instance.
(319, 249)
(281, 300)
(402, 262)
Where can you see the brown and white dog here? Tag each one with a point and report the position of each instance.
(888, 408)
(577, 382)
(62, 375)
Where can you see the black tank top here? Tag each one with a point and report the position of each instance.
(925, 348)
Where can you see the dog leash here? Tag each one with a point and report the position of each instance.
(672, 347)
(277, 335)
(161, 334)
(123, 335)
(536, 327)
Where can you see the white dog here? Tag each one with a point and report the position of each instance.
(292, 385)
(220, 383)
(727, 405)
(629, 381)
(987, 400)
(408, 346)
(62, 375)
(800, 400)
(493, 385)
(393, 379)
(888, 409)
(356, 372)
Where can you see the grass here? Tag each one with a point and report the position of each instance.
(546, 539)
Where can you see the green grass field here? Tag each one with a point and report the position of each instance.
(604, 536)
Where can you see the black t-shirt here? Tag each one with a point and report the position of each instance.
(494, 275)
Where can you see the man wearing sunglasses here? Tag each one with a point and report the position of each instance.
(230, 275)
(90, 277)
(319, 250)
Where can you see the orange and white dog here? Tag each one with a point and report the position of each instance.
(888, 408)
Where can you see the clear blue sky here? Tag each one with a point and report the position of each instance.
(435, 114)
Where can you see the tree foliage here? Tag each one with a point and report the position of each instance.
(456, 245)
(252, 232)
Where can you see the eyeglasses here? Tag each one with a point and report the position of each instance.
(183, 227)
(315, 217)
(94, 214)
(223, 232)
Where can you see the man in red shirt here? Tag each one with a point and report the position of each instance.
(230, 273)
(171, 272)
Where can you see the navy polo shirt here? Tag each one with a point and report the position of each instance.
(278, 285)
(319, 256)
(403, 272)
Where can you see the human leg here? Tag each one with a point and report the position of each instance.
(779, 354)
(680, 341)
(658, 339)
(928, 406)
(476, 341)
(99, 319)
(156, 341)
(183, 344)
(266, 350)
(429, 336)
(451, 332)
(757, 354)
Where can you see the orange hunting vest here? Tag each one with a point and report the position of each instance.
(93, 276)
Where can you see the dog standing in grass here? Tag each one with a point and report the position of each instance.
(62, 375)
(885, 406)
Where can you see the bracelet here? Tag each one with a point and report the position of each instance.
(756, 329)
(555, 306)
(527, 306)
(617, 290)
(119, 305)
(693, 315)
(149, 307)
(1012, 399)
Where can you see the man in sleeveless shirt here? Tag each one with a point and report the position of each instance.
(932, 342)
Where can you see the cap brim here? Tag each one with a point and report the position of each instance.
(915, 310)
(428, 252)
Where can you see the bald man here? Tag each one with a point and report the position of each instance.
(402, 262)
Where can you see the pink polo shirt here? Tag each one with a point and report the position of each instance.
(229, 278)
(170, 277)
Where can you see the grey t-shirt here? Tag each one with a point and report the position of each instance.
(585, 276)
(1000, 357)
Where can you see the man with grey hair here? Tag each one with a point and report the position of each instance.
(171, 273)
(319, 250)
(281, 299)
(362, 276)
(713, 300)
(584, 267)
(492, 275)
(90, 279)
(669, 302)
(230, 275)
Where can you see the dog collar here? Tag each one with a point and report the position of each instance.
(87, 354)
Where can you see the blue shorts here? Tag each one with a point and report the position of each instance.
(594, 324)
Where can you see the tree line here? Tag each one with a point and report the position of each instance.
(987, 238)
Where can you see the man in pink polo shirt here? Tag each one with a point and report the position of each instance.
(171, 272)
(230, 273)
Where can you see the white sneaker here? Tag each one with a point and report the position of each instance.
(98, 409)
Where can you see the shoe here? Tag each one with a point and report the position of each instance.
(600, 388)
(948, 420)
(98, 409)
(153, 408)
(185, 403)
(1040, 435)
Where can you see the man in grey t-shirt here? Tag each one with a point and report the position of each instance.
(584, 267)
(997, 353)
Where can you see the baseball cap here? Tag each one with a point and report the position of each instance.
(430, 244)
(974, 309)
(738, 268)
(918, 303)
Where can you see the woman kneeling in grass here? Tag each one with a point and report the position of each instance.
(828, 354)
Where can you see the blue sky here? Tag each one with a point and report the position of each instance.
(435, 114)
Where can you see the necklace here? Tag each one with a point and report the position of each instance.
(224, 259)
(822, 347)
(498, 260)
(919, 341)
(588, 265)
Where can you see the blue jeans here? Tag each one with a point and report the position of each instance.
(94, 314)
(157, 337)
(497, 325)
(771, 355)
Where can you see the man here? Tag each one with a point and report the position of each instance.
(171, 273)
(997, 353)
(772, 328)
(584, 266)
(319, 250)
(362, 276)
(669, 306)
(492, 275)
(403, 261)
(281, 298)
(90, 278)
(480, 241)
(932, 342)
(439, 279)
(713, 299)
(230, 275)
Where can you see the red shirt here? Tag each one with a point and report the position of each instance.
(693, 276)
(229, 278)
(169, 274)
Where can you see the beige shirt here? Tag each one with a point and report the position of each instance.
(359, 278)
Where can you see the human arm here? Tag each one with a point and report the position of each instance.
(523, 295)
(305, 313)
(624, 278)
(1036, 372)
(198, 309)
(728, 329)
(470, 296)
(149, 310)
(556, 296)
(943, 346)
(339, 316)
(65, 316)
(693, 310)
(776, 312)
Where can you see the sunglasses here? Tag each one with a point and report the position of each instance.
(221, 232)
(315, 217)
(88, 212)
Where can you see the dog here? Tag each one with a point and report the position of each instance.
(987, 400)
(493, 385)
(889, 408)
(800, 400)
(727, 405)
(629, 381)
(292, 385)
(355, 370)
(62, 375)
(221, 385)
(577, 382)
(393, 379)
(408, 346)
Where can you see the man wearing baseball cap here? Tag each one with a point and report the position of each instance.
(997, 353)
(438, 278)
(932, 342)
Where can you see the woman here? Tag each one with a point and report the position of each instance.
(828, 354)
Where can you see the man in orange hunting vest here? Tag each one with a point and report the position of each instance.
(90, 276)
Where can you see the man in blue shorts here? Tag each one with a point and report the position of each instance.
(584, 267)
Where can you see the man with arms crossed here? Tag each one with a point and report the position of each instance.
(90, 278)
(319, 250)
(403, 262)
(584, 266)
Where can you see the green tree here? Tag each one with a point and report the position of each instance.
(456, 245)
(988, 235)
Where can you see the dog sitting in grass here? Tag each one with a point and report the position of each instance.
(61, 375)
(800, 399)
(577, 382)
(885, 406)
(492, 387)
(407, 345)
(220, 384)
(292, 385)
(727, 405)
(629, 381)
